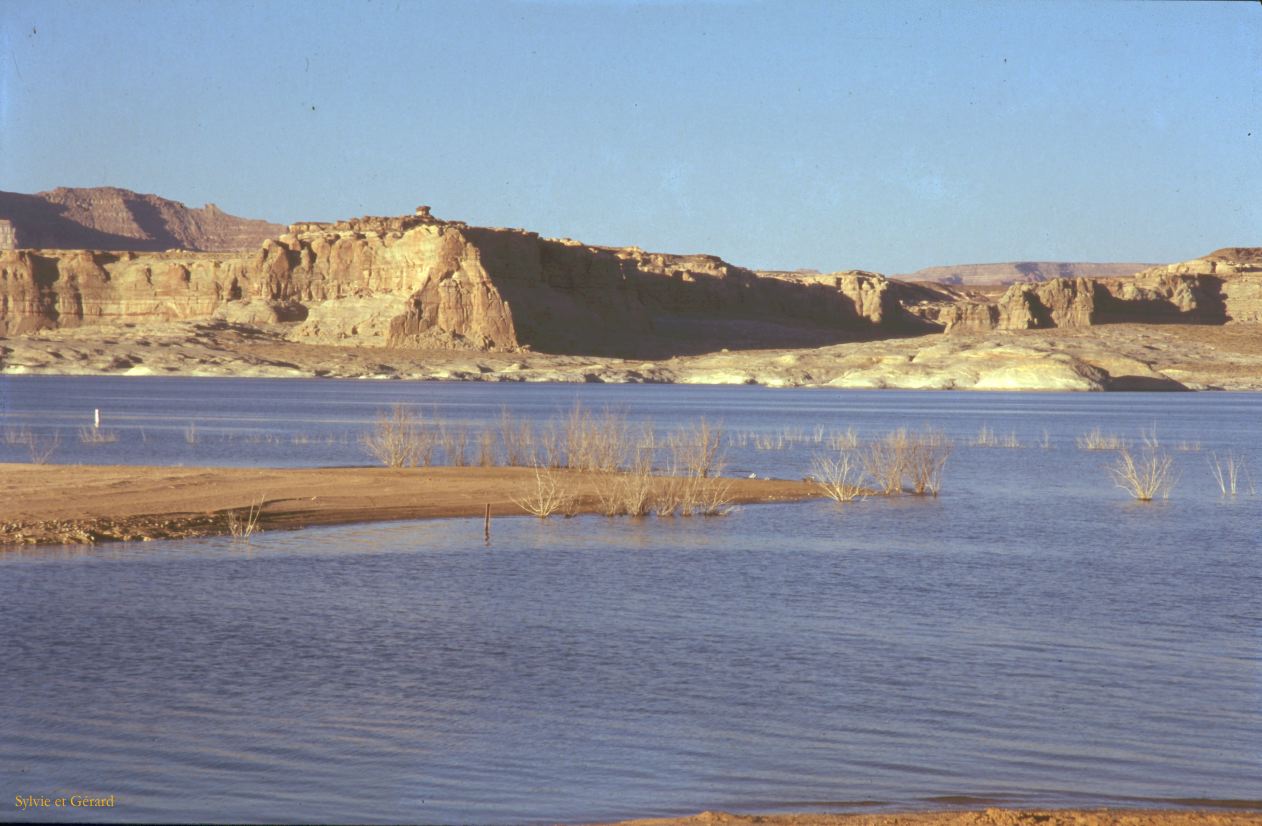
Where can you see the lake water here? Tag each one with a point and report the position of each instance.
(1030, 637)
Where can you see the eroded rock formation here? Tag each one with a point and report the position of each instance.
(416, 281)
(419, 282)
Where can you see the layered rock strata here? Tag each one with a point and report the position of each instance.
(119, 219)
(417, 281)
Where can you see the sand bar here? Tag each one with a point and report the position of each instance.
(41, 504)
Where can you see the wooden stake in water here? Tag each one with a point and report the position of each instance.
(96, 417)
(486, 525)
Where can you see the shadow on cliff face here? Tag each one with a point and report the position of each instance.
(152, 223)
(1190, 300)
(42, 224)
(651, 316)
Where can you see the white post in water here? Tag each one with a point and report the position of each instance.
(96, 417)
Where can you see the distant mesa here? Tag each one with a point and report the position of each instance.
(110, 218)
(1016, 272)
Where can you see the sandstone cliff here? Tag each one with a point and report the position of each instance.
(417, 281)
(1224, 286)
(119, 219)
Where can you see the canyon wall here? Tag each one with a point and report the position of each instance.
(416, 281)
(419, 282)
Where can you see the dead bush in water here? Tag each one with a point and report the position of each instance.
(1096, 439)
(398, 438)
(907, 461)
(1227, 472)
(97, 436)
(697, 450)
(839, 476)
(518, 439)
(244, 522)
(1148, 475)
(596, 444)
(547, 496)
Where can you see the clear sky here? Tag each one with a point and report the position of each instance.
(833, 135)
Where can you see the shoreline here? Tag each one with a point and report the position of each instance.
(1206, 816)
(87, 504)
(1113, 357)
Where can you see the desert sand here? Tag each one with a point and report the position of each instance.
(42, 504)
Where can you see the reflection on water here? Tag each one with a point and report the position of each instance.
(1031, 637)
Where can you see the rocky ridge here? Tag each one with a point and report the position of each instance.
(111, 218)
(972, 275)
(1224, 286)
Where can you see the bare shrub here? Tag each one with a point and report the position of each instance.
(244, 522)
(455, 443)
(884, 461)
(985, 437)
(839, 476)
(486, 449)
(1228, 471)
(847, 440)
(398, 438)
(518, 439)
(596, 444)
(97, 436)
(697, 450)
(1098, 440)
(911, 461)
(668, 495)
(1144, 477)
(550, 453)
(705, 496)
(547, 496)
(926, 459)
(42, 449)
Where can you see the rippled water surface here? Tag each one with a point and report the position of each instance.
(1029, 637)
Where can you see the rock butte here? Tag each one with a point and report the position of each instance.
(418, 283)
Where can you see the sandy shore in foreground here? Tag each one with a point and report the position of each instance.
(92, 503)
(988, 817)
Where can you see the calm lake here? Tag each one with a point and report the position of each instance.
(1030, 637)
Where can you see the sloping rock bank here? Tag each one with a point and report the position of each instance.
(1112, 357)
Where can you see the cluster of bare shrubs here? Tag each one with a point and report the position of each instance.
(1098, 440)
(986, 437)
(899, 462)
(41, 448)
(791, 437)
(621, 456)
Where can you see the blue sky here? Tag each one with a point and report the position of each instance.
(884, 136)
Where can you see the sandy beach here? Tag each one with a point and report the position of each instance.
(988, 817)
(41, 504)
